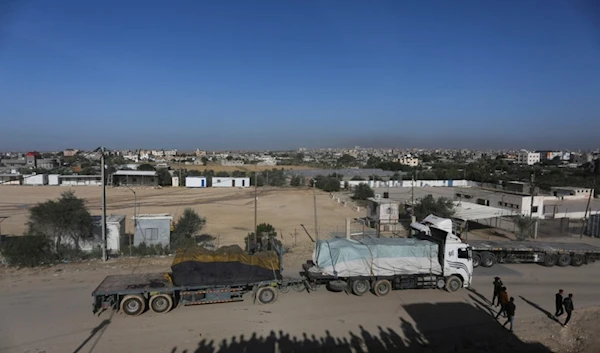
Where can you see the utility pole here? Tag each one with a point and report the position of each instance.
(535, 223)
(103, 203)
(587, 208)
(315, 207)
(255, 209)
(412, 202)
(180, 181)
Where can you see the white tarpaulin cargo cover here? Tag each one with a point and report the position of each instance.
(376, 257)
(468, 211)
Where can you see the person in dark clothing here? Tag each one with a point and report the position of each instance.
(503, 300)
(559, 303)
(510, 308)
(497, 288)
(568, 304)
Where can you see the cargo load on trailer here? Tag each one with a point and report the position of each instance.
(228, 264)
(376, 257)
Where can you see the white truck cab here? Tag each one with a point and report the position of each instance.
(457, 256)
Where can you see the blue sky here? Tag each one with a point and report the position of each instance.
(288, 74)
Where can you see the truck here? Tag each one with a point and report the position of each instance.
(200, 277)
(487, 253)
(432, 257)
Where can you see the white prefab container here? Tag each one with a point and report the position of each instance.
(228, 182)
(35, 179)
(53, 179)
(195, 182)
(175, 182)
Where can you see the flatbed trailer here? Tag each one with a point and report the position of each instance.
(134, 293)
(487, 253)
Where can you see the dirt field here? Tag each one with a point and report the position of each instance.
(49, 310)
(244, 168)
(229, 212)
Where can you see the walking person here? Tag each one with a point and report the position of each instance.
(510, 313)
(497, 288)
(559, 303)
(503, 300)
(568, 304)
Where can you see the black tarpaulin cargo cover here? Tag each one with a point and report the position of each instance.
(226, 265)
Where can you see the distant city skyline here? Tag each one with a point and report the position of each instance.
(277, 75)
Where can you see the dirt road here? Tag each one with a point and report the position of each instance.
(229, 212)
(50, 311)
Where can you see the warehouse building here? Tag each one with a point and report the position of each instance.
(135, 178)
(79, 180)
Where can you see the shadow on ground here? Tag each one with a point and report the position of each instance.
(445, 327)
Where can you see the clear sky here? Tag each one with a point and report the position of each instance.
(286, 74)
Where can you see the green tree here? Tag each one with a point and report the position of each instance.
(204, 160)
(188, 225)
(146, 167)
(346, 160)
(222, 174)
(362, 192)
(297, 180)
(64, 218)
(524, 227)
(441, 207)
(267, 237)
(164, 177)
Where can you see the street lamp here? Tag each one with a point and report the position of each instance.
(134, 215)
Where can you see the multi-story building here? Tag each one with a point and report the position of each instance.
(69, 152)
(529, 158)
(409, 161)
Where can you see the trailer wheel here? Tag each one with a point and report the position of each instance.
(453, 284)
(382, 287)
(476, 260)
(285, 289)
(564, 260)
(360, 287)
(266, 295)
(133, 304)
(577, 260)
(550, 260)
(161, 303)
(488, 259)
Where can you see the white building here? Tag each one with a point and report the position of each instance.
(35, 179)
(570, 193)
(409, 161)
(232, 163)
(175, 181)
(228, 182)
(115, 234)
(195, 182)
(11, 179)
(518, 204)
(529, 158)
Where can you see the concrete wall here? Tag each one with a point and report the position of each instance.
(73, 180)
(54, 179)
(406, 183)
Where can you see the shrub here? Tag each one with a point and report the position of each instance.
(27, 251)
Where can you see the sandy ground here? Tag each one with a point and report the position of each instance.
(50, 310)
(229, 212)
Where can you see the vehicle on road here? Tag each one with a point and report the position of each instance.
(433, 257)
(488, 253)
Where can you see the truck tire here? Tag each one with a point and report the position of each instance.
(577, 260)
(550, 260)
(382, 287)
(476, 260)
(133, 305)
(161, 303)
(266, 295)
(360, 286)
(564, 260)
(453, 283)
(487, 259)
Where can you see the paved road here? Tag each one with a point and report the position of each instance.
(53, 314)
